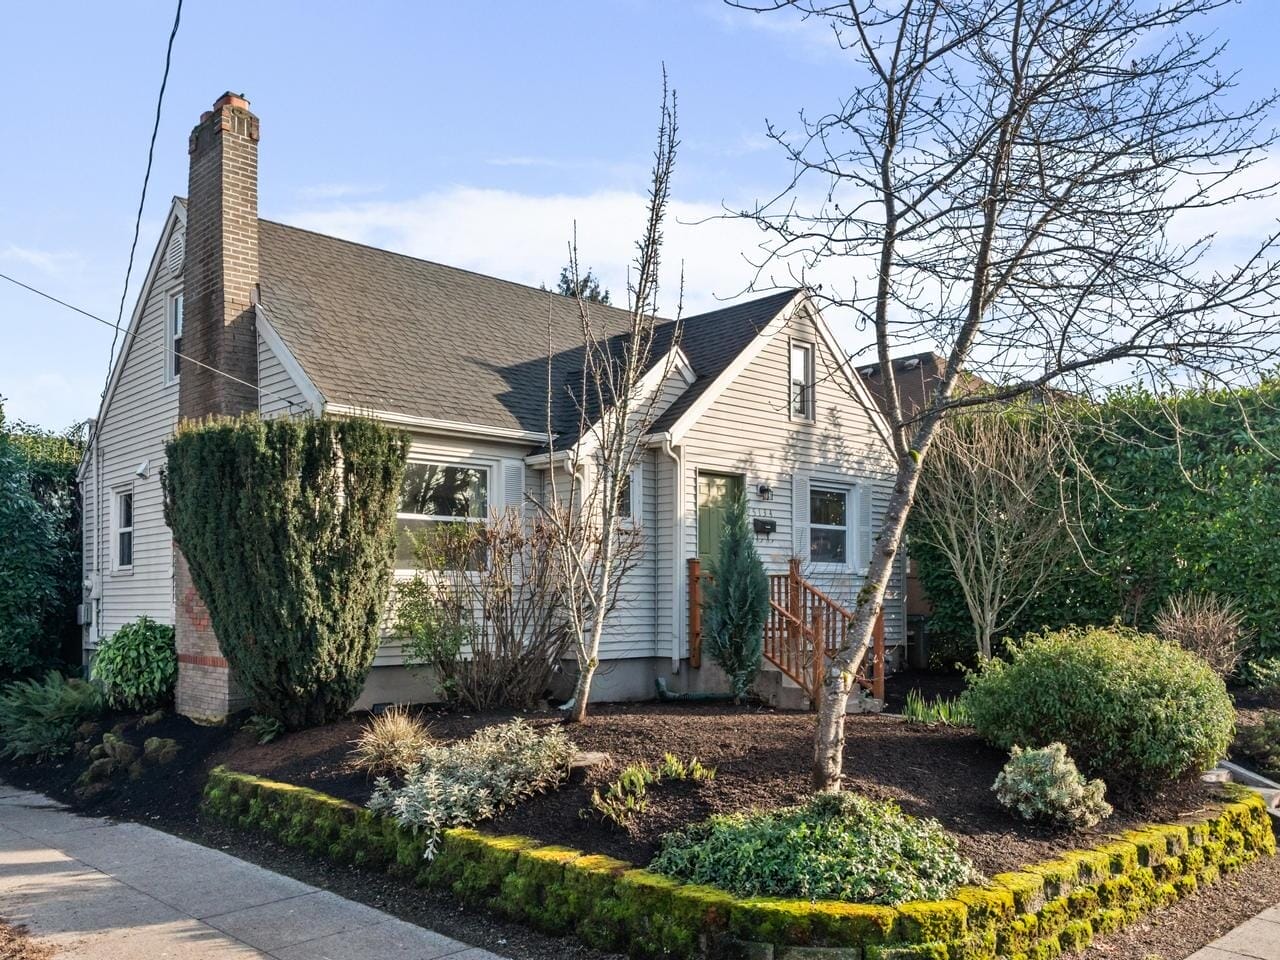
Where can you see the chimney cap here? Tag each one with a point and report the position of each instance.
(230, 99)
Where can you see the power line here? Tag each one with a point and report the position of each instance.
(151, 340)
(142, 200)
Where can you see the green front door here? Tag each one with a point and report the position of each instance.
(715, 492)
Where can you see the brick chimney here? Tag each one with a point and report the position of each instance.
(220, 280)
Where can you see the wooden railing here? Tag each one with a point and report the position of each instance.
(805, 628)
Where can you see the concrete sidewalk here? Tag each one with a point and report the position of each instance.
(98, 890)
(1256, 939)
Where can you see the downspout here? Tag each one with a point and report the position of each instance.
(677, 552)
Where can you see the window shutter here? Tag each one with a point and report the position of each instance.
(864, 507)
(800, 515)
(513, 485)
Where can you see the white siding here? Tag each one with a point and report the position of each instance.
(278, 394)
(748, 430)
(141, 416)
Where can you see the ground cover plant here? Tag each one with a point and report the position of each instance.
(39, 717)
(137, 666)
(832, 847)
(1130, 708)
(949, 711)
(1044, 785)
(462, 783)
(628, 796)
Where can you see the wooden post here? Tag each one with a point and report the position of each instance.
(877, 676)
(796, 625)
(695, 612)
(819, 656)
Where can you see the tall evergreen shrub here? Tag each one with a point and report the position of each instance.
(737, 603)
(288, 527)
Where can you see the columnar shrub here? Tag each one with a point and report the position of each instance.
(1131, 709)
(461, 783)
(288, 527)
(737, 602)
(137, 665)
(1043, 784)
(833, 847)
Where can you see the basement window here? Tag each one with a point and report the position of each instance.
(433, 494)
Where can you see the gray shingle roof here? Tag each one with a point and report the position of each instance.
(387, 332)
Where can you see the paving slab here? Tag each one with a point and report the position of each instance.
(1257, 939)
(98, 890)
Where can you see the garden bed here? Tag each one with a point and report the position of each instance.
(762, 760)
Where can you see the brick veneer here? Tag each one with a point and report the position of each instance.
(220, 280)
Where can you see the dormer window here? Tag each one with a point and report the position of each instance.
(802, 381)
(173, 339)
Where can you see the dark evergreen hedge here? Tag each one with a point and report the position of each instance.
(288, 527)
(1195, 508)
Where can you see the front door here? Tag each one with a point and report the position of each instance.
(715, 492)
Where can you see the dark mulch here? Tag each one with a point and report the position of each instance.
(1180, 930)
(16, 945)
(762, 760)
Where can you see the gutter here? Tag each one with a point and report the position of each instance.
(677, 551)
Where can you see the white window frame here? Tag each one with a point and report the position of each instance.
(490, 471)
(846, 491)
(172, 334)
(117, 528)
(634, 517)
(809, 414)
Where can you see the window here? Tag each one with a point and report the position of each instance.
(629, 502)
(828, 525)
(174, 337)
(122, 538)
(802, 381)
(434, 493)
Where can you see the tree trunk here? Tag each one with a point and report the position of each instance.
(582, 690)
(828, 752)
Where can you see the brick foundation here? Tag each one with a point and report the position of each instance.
(206, 690)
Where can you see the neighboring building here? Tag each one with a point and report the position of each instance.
(288, 322)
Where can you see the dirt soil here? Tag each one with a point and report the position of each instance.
(762, 760)
(16, 945)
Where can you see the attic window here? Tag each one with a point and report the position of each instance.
(802, 381)
(173, 338)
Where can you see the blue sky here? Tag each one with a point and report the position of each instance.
(474, 134)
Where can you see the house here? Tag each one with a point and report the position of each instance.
(242, 314)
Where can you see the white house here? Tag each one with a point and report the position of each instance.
(238, 313)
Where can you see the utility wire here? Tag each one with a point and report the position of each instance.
(151, 340)
(142, 200)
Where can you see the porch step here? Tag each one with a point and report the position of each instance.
(781, 692)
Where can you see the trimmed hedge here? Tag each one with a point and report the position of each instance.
(1034, 914)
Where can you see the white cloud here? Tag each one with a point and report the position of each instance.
(335, 191)
(525, 237)
(52, 262)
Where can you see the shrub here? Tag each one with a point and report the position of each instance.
(138, 666)
(288, 528)
(948, 712)
(1259, 745)
(833, 847)
(463, 783)
(38, 718)
(1129, 708)
(1207, 625)
(391, 743)
(1262, 673)
(1044, 785)
(28, 568)
(737, 603)
(628, 796)
(492, 631)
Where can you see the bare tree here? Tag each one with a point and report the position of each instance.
(1018, 181)
(613, 399)
(992, 502)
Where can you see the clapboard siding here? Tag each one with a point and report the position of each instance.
(132, 429)
(278, 394)
(748, 431)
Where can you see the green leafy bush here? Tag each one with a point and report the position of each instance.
(38, 718)
(1044, 785)
(28, 568)
(138, 666)
(1258, 745)
(1130, 708)
(391, 743)
(462, 783)
(833, 847)
(288, 528)
(1262, 673)
(628, 796)
(737, 603)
